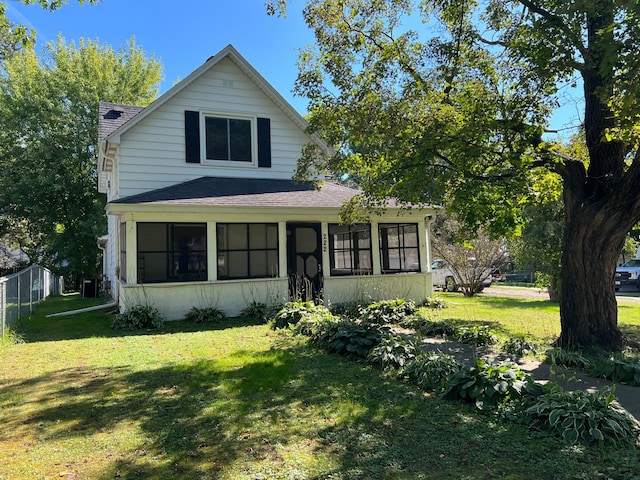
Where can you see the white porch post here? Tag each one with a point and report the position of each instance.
(375, 248)
(212, 252)
(282, 249)
(326, 259)
(132, 252)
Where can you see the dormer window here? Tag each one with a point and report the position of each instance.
(229, 139)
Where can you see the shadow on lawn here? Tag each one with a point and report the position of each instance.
(98, 324)
(279, 407)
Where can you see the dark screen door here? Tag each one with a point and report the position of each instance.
(304, 261)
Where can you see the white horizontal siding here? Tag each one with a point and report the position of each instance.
(152, 153)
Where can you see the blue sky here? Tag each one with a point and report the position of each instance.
(183, 34)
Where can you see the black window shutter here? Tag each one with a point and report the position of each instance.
(192, 136)
(264, 142)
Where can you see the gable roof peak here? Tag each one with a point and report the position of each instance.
(227, 52)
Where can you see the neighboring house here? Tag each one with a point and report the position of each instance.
(202, 210)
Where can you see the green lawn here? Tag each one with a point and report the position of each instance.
(237, 401)
(513, 316)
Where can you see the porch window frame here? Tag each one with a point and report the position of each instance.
(173, 252)
(222, 253)
(353, 248)
(402, 248)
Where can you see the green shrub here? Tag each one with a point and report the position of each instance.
(260, 311)
(393, 352)
(478, 336)
(388, 311)
(315, 325)
(519, 346)
(415, 322)
(292, 312)
(490, 385)
(581, 417)
(432, 371)
(205, 315)
(348, 310)
(346, 337)
(567, 358)
(619, 370)
(439, 329)
(435, 303)
(140, 316)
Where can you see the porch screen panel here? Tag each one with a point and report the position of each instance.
(171, 252)
(247, 250)
(399, 247)
(350, 249)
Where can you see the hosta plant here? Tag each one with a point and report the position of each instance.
(581, 417)
(477, 336)
(567, 358)
(205, 315)
(292, 312)
(431, 370)
(260, 311)
(316, 325)
(442, 328)
(519, 346)
(388, 311)
(490, 385)
(619, 370)
(393, 352)
(352, 338)
(435, 303)
(139, 316)
(414, 322)
(347, 310)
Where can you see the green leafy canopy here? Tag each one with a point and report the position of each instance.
(48, 137)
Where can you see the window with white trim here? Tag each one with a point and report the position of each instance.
(229, 139)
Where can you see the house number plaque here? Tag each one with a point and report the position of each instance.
(325, 242)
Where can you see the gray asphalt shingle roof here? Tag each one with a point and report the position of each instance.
(114, 115)
(245, 192)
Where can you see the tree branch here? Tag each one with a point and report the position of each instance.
(407, 68)
(559, 23)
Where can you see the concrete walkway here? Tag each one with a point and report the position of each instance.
(628, 396)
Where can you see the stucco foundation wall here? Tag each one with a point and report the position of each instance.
(414, 286)
(174, 300)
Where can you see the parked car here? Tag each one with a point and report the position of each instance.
(444, 278)
(628, 274)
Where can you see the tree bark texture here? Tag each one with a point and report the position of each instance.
(588, 306)
(601, 200)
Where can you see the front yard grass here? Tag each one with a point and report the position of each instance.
(514, 316)
(238, 401)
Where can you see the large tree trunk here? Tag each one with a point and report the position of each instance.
(601, 203)
(588, 307)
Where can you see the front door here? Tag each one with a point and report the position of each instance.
(304, 261)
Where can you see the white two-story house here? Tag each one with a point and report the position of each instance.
(202, 210)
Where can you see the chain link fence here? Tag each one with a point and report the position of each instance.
(21, 291)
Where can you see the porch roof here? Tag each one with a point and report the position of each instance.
(246, 192)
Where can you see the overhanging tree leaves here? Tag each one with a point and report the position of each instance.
(48, 133)
(14, 36)
(454, 111)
